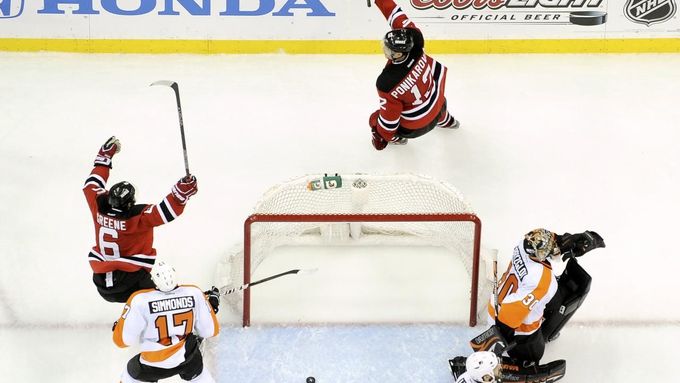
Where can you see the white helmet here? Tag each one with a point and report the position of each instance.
(163, 276)
(483, 366)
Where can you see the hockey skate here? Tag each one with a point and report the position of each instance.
(399, 141)
(452, 124)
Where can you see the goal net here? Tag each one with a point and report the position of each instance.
(358, 209)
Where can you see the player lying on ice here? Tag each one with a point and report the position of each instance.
(531, 305)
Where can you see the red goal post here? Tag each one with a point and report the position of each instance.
(357, 209)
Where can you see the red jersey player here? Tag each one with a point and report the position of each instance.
(123, 253)
(410, 87)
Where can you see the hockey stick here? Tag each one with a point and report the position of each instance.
(251, 284)
(175, 87)
(494, 258)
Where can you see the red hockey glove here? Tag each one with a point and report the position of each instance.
(373, 120)
(379, 143)
(106, 152)
(185, 188)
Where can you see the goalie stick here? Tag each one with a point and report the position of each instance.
(175, 88)
(251, 284)
(494, 259)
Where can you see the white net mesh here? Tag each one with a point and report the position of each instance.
(357, 194)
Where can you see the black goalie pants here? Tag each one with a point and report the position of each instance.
(188, 370)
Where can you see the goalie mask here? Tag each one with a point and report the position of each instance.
(483, 366)
(540, 244)
(397, 44)
(163, 276)
(122, 196)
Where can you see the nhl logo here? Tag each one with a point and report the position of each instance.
(649, 11)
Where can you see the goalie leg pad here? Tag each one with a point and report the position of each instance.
(528, 348)
(545, 373)
(572, 289)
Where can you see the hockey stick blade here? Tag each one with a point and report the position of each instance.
(164, 82)
(225, 291)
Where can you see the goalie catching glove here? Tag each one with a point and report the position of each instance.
(185, 188)
(107, 151)
(575, 245)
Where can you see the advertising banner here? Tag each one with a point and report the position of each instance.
(216, 21)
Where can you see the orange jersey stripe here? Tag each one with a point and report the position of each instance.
(161, 355)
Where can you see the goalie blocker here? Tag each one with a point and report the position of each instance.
(512, 372)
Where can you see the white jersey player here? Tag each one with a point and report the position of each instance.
(481, 367)
(519, 316)
(167, 323)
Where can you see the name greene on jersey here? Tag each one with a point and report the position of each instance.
(171, 304)
(111, 223)
(409, 81)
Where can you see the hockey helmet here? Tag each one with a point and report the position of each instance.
(397, 43)
(541, 243)
(122, 196)
(163, 276)
(484, 366)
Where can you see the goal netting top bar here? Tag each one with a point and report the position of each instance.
(360, 209)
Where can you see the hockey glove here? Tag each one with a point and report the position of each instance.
(457, 365)
(185, 188)
(379, 143)
(490, 340)
(213, 296)
(575, 245)
(106, 152)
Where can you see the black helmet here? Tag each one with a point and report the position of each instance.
(399, 40)
(122, 196)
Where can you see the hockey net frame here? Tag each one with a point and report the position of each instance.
(452, 212)
(341, 218)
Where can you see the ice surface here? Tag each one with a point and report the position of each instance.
(568, 142)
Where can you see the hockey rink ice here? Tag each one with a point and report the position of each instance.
(565, 142)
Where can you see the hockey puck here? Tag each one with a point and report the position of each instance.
(588, 18)
(311, 379)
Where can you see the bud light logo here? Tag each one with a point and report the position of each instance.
(11, 8)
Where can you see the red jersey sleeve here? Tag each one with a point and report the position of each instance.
(390, 115)
(95, 185)
(164, 212)
(394, 15)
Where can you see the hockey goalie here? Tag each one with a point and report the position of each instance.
(529, 307)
